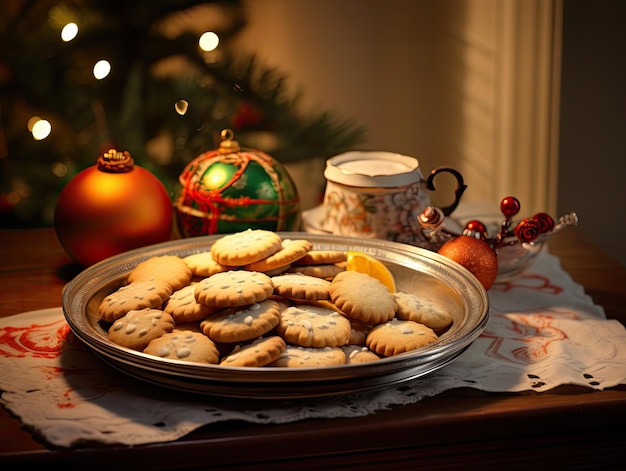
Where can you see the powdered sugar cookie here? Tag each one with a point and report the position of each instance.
(243, 248)
(412, 307)
(203, 264)
(362, 297)
(322, 257)
(358, 354)
(139, 327)
(309, 325)
(185, 346)
(327, 272)
(296, 357)
(398, 336)
(234, 288)
(291, 251)
(170, 268)
(139, 295)
(242, 323)
(183, 307)
(358, 332)
(259, 352)
(299, 286)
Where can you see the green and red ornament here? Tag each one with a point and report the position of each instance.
(231, 189)
(110, 208)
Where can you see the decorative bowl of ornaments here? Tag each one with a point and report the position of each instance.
(516, 242)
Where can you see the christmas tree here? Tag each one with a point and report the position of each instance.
(78, 77)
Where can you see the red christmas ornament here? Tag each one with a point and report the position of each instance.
(110, 208)
(545, 221)
(527, 230)
(475, 229)
(510, 206)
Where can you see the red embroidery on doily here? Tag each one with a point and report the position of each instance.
(530, 340)
(530, 282)
(38, 341)
(69, 404)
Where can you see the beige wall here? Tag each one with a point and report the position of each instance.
(364, 59)
(436, 79)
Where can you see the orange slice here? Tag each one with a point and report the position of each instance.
(364, 263)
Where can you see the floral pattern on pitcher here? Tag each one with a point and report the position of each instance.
(383, 214)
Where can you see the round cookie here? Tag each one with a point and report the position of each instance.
(290, 251)
(259, 352)
(358, 354)
(246, 247)
(322, 257)
(298, 286)
(139, 327)
(139, 295)
(307, 325)
(415, 308)
(319, 271)
(184, 345)
(398, 336)
(170, 268)
(183, 307)
(296, 357)
(362, 297)
(234, 288)
(358, 332)
(242, 323)
(203, 264)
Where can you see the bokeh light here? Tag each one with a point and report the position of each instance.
(40, 129)
(69, 32)
(209, 41)
(181, 107)
(101, 69)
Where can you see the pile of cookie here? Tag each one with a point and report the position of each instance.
(254, 299)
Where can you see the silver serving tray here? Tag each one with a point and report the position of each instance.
(416, 270)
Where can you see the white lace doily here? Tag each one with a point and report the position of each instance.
(543, 332)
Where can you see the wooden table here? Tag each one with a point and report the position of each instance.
(566, 428)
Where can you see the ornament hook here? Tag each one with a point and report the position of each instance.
(115, 161)
(228, 144)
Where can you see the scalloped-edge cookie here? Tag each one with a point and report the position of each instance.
(362, 297)
(398, 336)
(259, 352)
(242, 323)
(308, 325)
(185, 346)
(242, 248)
(234, 288)
(139, 327)
(297, 357)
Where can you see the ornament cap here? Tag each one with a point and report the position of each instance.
(115, 161)
(228, 144)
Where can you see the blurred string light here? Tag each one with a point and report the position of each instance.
(181, 107)
(39, 128)
(209, 41)
(69, 32)
(59, 169)
(101, 69)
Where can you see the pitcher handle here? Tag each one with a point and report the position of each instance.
(458, 192)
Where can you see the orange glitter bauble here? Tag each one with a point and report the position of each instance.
(475, 255)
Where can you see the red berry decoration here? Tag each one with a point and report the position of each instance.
(510, 206)
(527, 230)
(475, 229)
(545, 221)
